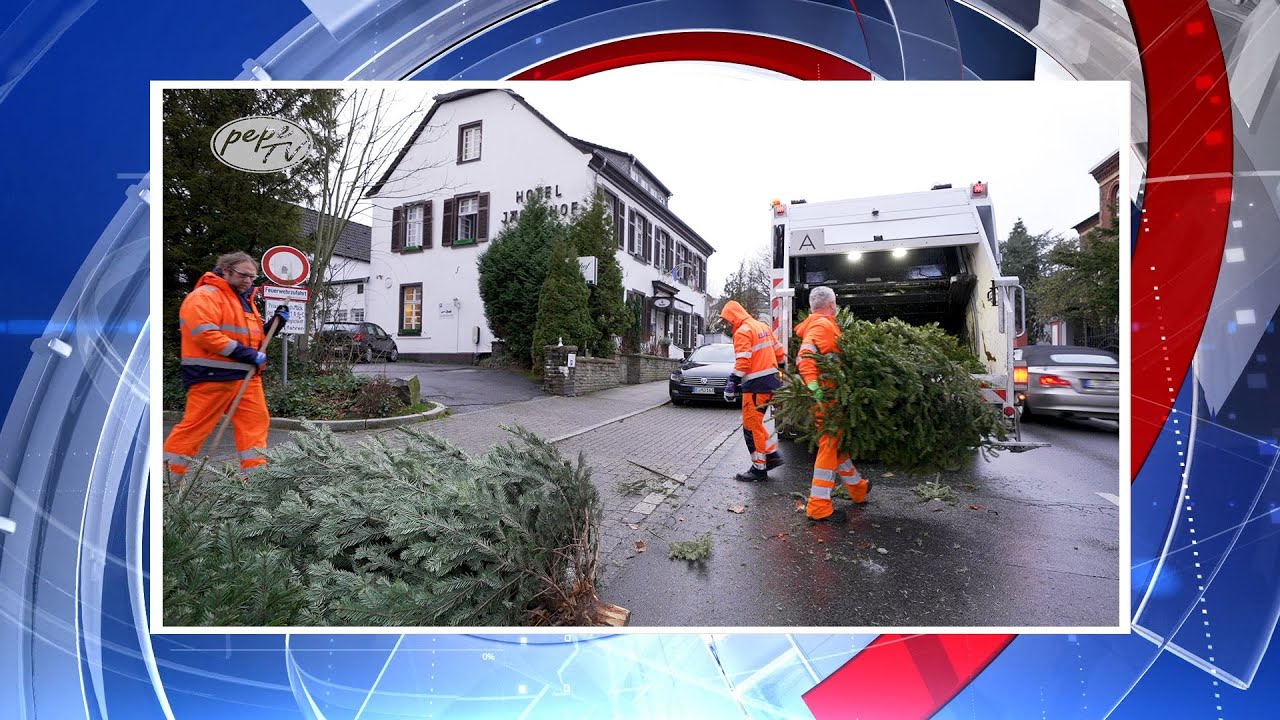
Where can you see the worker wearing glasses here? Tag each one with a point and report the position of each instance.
(222, 336)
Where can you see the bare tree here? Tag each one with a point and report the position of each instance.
(359, 136)
(750, 285)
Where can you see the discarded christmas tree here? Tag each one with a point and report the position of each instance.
(418, 535)
(903, 396)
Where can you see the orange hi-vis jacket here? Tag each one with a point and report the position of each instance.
(757, 352)
(221, 333)
(818, 334)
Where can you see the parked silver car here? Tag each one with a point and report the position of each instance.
(1068, 380)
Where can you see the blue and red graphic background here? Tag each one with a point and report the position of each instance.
(74, 104)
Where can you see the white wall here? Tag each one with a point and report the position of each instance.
(519, 153)
(347, 296)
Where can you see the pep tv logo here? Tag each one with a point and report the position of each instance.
(261, 144)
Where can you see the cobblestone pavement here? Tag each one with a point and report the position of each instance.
(647, 465)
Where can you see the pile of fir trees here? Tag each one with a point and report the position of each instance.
(414, 535)
(903, 396)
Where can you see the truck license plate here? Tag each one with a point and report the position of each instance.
(704, 391)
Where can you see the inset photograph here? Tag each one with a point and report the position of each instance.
(641, 352)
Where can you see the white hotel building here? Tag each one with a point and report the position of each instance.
(467, 170)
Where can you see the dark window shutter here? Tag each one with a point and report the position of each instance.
(400, 309)
(397, 228)
(631, 231)
(482, 218)
(671, 253)
(648, 242)
(459, 160)
(450, 224)
(426, 224)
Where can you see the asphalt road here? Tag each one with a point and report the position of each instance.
(1032, 541)
(464, 388)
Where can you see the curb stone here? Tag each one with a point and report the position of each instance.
(344, 425)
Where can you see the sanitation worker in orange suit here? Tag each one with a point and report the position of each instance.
(755, 373)
(818, 334)
(221, 336)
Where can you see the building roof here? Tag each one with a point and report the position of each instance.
(354, 243)
(1088, 222)
(622, 160)
(617, 160)
(1106, 166)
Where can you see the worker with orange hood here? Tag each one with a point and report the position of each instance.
(819, 333)
(757, 354)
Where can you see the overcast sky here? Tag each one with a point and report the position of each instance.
(726, 141)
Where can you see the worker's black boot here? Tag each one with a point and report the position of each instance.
(752, 475)
(837, 516)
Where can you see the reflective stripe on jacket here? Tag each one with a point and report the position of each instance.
(220, 338)
(757, 352)
(818, 335)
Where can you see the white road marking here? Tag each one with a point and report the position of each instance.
(1113, 499)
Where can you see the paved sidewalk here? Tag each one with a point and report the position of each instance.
(552, 417)
(648, 465)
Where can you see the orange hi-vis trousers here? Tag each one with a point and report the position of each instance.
(758, 426)
(206, 403)
(829, 464)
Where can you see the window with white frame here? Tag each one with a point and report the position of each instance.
(469, 142)
(340, 315)
(357, 314)
(413, 230)
(468, 217)
(411, 308)
(635, 231)
(660, 252)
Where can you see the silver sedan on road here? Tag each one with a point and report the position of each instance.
(1070, 381)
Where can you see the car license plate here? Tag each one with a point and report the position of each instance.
(1102, 384)
(704, 391)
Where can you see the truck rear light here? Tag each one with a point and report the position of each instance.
(1020, 376)
(1008, 410)
(1053, 381)
(979, 189)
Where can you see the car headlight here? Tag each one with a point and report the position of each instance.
(676, 376)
